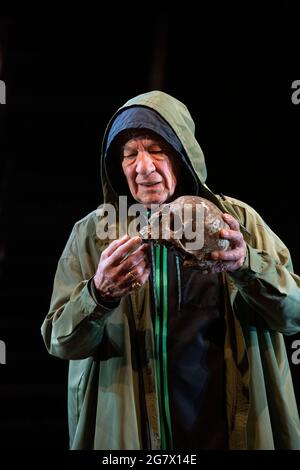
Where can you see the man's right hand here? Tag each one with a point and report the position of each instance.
(123, 263)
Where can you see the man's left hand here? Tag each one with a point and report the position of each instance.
(233, 258)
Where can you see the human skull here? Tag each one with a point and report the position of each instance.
(190, 226)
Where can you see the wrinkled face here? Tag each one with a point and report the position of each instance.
(149, 167)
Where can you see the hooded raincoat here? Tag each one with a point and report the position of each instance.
(112, 391)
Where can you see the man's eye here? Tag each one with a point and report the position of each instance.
(155, 152)
(131, 155)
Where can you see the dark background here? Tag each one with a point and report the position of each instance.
(65, 77)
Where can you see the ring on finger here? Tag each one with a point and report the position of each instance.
(132, 277)
(136, 285)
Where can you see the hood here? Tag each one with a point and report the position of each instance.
(171, 113)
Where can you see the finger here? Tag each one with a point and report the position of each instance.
(114, 245)
(231, 221)
(133, 259)
(230, 255)
(142, 280)
(135, 274)
(229, 266)
(139, 270)
(233, 235)
(145, 275)
(122, 251)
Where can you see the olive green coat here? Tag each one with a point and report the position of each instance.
(107, 383)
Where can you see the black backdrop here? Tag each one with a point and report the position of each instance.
(64, 78)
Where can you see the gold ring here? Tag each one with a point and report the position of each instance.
(136, 285)
(132, 277)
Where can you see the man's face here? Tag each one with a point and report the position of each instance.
(149, 167)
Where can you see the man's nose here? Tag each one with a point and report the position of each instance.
(144, 164)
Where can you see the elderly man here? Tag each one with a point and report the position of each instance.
(162, 356)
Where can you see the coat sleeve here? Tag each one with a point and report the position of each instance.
(266, 281)
(74, 326)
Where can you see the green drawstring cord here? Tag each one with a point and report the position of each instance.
(178, 282)
(161, 336)
(157, 343)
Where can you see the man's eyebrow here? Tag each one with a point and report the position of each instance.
(128, 148)
(130, 145)
(153, 143)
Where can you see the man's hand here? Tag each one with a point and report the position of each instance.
(123, 263)
(233, 258)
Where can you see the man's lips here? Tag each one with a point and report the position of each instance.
(148, 183)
